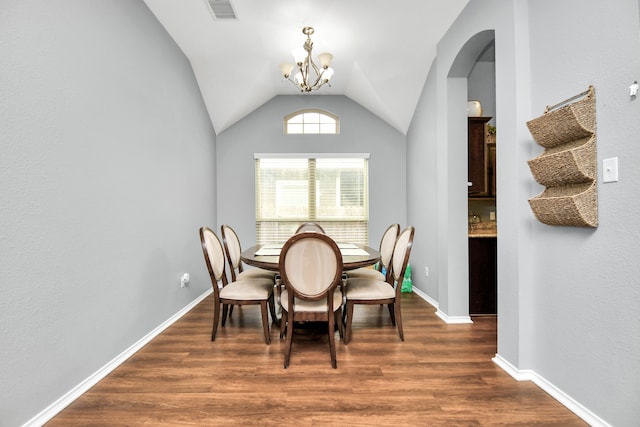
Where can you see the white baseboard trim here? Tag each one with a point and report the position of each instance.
(64, 401)
(426, 297)
(452, 320)
(517, 374)
(566, 400)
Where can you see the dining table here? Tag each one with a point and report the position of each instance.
(267, 256)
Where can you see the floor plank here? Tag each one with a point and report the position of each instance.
(441, 375)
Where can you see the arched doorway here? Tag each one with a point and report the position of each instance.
(481, 88)
(456, 296)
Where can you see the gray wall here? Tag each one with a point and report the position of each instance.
(482, 86)
(422, 189)
(107, 170)
(262, 132)
(567, 297)
(586, 294)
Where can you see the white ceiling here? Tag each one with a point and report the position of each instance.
(382, 50)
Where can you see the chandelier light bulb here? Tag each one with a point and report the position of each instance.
(325, 59)
(299, 55)
(286, 69)
(327, 73)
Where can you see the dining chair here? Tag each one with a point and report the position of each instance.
(311, 269)
(310, 226)
(372, 291)
(387, 244)
(233, 249)
(237, 292)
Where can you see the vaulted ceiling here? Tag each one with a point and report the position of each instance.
(382, 50)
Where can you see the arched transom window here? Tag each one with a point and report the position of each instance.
(311, 122)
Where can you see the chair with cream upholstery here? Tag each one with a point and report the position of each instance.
(310, 226)
(368, 291)
(233, 249)
(387, 243)
(311, 269)
(238, 292)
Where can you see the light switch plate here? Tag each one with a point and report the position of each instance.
(610, 170)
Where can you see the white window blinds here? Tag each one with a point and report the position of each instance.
(332, 191)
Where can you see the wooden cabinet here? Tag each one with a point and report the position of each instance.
(478, 151)
(482, 250)
(483, 275)
(491, 169)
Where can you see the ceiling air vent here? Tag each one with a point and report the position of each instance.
(222, 9)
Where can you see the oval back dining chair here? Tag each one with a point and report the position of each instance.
(311, 269)
(237, 292)
(387, 244)
(310, 226)
(233, 249)
(371, 291)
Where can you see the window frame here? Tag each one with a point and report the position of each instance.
(273, 229)
(321, 113)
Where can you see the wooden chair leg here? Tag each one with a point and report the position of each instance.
(340, 323)
(265, 321)
(347, 332)
(216, 319)
(399, 319)
(272, 309)
(283, 324)
(287, 354)
(392, 314)
(332, 341)
(225, 310)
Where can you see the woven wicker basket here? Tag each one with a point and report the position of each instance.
(567, 124)
(574, 164)
(568, 165)
(572, 205)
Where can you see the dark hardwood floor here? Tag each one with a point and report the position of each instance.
(442, 375)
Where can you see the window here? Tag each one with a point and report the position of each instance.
(311, 122)
(332, 190)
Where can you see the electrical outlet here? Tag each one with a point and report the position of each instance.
(426, 271)
(184, 280)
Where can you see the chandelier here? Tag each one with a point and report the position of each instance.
(310, 76)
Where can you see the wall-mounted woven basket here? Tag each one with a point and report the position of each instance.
(568, 165)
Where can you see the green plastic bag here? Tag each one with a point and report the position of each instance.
(407, 284)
